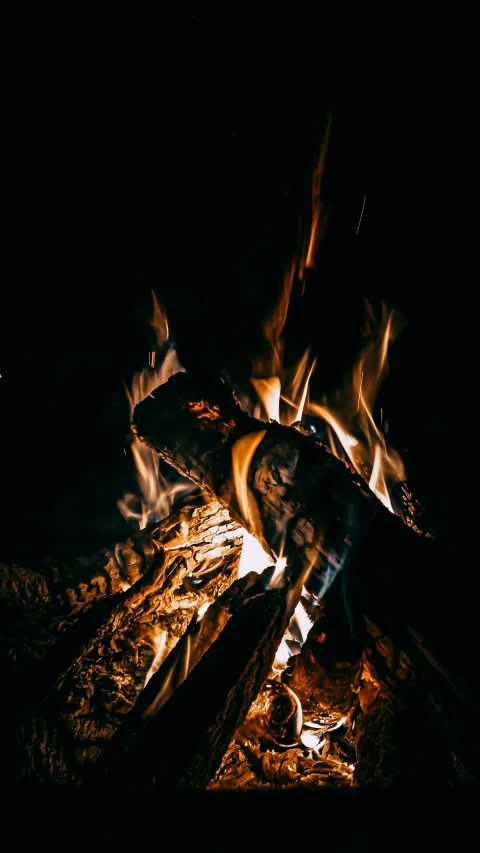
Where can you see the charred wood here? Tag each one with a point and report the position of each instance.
(75, 698)
(309, 507)
(395, 747)
(38, 606)
(183, 743)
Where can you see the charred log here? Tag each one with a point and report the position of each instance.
(39, 606)
(183, 743)
(309, 506)
(394, 747)
(73, 701)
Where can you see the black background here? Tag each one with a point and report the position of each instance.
(173, 149)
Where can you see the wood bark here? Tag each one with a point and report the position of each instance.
(407, 599)
(181, 744)
(61, 717)
(39, 605)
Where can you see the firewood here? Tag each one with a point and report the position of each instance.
(38, 606)
(62, 716)
(394, 747)
(181, 744)
(309, 507)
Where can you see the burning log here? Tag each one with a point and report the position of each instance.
(181, 743)
(72, 702)
(39, 606)
(307, 506)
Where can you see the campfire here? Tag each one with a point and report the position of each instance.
(276, 618)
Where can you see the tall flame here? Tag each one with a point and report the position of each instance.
(282, 393)
(351, 415)
(156, 494)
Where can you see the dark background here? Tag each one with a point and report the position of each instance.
(173, 149)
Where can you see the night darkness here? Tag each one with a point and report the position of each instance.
(174, 151)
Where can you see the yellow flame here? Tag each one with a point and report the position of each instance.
(278, 575)
(351, 416)
(302, 620)
(268, 391)
(203, 609)
(253, 557)
(282, 656)
(272, 382)
(242, 454)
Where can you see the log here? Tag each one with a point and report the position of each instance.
(182, 743)
(71, 704)
(394, 747)
(304, 503)
(333, 677)
(38, 606)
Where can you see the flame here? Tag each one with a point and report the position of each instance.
(156, 495)
(158, 370)
(319, 217)
(253, 557)
(159, 642)
(268, 391)
(203, 609)
(242, 454)
(351, 416)
(302, 621)
(274, 383)
(278, 575)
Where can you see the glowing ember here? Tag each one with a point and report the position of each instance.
(312, 740)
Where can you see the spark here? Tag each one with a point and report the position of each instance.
(361, 215)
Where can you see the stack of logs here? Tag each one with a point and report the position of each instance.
(117, 675)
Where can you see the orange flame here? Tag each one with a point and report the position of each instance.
(351, 417)
(272, 382)
(242, 454)
(319, 215)
(268, 392)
